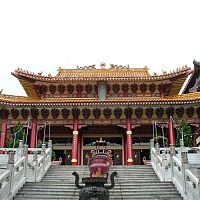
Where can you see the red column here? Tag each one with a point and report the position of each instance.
(129, 142)
(125, 151)
(171, 133)
(75, 143)
(33, 133)
(195, 136)
(4, 131)
(79, 150)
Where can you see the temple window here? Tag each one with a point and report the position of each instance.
(102, 91)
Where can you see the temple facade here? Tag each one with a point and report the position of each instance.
(117, 104)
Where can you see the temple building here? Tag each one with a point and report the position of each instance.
(117, 104)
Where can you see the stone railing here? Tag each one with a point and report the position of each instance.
(161, 163)
(178, 168)
(30, 167)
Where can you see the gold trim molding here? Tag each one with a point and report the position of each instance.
(129, 132)
(75, 132)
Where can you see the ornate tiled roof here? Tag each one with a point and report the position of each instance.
(189, 98)
(93, 74)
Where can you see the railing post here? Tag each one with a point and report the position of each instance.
(26, 160)
(157, 154)
(198, 176)
(10, 167)
(157, 149)
(35, 164)
(164, 164)
(50, 146)
(151, 147)
(172, 153)
(20, 148)
(43, 153)
(151, 143)
(184, 161)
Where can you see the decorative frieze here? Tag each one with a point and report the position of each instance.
(170, 111)
(128, 112)
(52, 89)
(180, 112)
(24, 113)
(152, 87)
(14, 113)
(61, 89)
(44, 113)
(79, 88)
(34, 113)
(159, 112)
(134, 88)
(55, 113)
(96, 113)
(117, 113)
(86, 113)
(70, 88)
(198, 111)
(125, 87)
(88, 88)
(107, 113)
(65, 113)
(190, 111)
(138, 112)
(75, 112)
(116, 88)
(143, 88)
(4, 113)
(149, 112)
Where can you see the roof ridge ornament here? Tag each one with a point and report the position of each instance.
(103, 65)
(112, 66)
(87, 67)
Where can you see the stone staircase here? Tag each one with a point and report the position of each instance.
(133, 182)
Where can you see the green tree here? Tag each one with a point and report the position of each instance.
(162, 141)
(17, 135)
(184, 130)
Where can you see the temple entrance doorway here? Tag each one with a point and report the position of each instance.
(113, 135)
(65, 155)
(142, 135)
(61, 137)
(144, 153)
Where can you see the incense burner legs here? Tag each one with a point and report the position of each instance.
(94, 188)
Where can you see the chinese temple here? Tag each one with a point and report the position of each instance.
(118, 104)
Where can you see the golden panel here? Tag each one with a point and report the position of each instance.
(129, 132)
(130, 160)
(75, 132)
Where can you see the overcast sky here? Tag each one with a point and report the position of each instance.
(42, 35)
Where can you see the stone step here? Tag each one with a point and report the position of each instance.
(112, 197)
(116, 186)
(133, 185)
(132, 182)
(123, 191)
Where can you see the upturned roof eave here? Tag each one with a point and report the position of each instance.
(170, 100)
